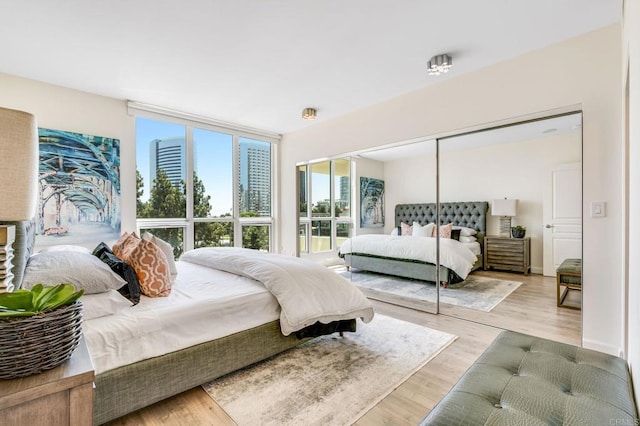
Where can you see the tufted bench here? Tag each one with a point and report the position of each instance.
(568, 275)
(526, 380)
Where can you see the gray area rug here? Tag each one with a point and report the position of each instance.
(479, 293)
(329, 380)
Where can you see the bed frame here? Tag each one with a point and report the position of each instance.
(126, 389)
(470, 214)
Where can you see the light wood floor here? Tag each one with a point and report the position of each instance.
(530, 309)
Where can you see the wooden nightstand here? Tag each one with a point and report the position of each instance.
(507, 254)
(60, 396)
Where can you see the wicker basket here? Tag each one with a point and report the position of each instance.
(30, 345)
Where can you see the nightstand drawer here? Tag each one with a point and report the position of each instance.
(508, 254)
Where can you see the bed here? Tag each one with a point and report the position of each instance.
(472, 215)
(167, 345)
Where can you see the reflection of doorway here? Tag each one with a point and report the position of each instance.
(562, 233)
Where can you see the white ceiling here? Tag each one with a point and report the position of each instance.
(508, 134)
(260, 62)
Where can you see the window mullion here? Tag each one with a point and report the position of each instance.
(189, 233)
(237, 226)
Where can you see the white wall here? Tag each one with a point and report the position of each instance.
(631, 49)
(74, 111)
(514, 88)
(513, 170)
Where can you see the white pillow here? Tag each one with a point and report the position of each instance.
(167, 250)
(70, 267)
(423, 231)
(465, 239)
(65, 247)
(102, 304)
(466, 232)
(394, 233)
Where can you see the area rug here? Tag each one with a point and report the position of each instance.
(479, 293)
(330, 380)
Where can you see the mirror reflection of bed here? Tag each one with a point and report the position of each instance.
(536, 163)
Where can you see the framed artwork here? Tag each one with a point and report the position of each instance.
(371, 203)
(79, 189)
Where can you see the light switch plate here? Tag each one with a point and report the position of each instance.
(598, 209)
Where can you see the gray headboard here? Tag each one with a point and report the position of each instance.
(22, 248)
(471, 214)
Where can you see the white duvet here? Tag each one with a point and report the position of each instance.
(307, 292)
(453, 254)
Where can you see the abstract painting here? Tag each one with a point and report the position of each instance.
(79, 189)
(371, 203)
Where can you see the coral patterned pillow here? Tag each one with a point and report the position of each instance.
(119, 245)
(149, 262)
(445, 231)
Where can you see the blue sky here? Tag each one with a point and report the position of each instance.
(214, 162)
(213, 153)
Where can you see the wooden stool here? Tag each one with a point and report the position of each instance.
(569, 275)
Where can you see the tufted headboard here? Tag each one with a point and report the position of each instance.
(22, 248)
(471, 214)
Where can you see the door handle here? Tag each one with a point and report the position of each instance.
(548, 226)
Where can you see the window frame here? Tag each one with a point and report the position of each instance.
(237, 132)
(306, 220)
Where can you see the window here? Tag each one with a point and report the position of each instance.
(201, 186)
(326, 188)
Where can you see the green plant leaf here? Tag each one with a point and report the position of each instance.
(15, 313)
(48, 293)
(39, 298)
(63, 295)
(19, 299)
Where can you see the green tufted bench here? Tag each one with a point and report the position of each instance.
(525, 380)
(568, 275)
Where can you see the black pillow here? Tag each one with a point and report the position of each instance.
(455, 234)
(131, 290)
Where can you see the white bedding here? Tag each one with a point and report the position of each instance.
(204, 304)
(453, 254)
(306, 291)
(474, 246)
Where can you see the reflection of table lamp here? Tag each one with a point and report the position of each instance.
(19, 179)
(505, 209)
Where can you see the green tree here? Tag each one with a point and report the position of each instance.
(255, 236)
(169, 201)
(201, 201)
(140, 205)
(166, 200)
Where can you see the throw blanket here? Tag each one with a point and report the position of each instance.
(453, 254)
(306, 291)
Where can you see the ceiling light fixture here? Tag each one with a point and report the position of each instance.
(439, 64)
(309, 114)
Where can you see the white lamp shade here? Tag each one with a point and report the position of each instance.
(18, 165)
(504, 207)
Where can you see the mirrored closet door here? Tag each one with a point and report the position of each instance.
(511, 197)
(529, 175)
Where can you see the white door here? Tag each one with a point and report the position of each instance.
(562, 215)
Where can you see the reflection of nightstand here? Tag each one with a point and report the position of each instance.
(60, 396)
(507, 254)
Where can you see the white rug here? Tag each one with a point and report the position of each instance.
(479, 293)
(329, 380)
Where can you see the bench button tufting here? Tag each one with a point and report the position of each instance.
(497, 405)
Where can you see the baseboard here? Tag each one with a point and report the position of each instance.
(602, 347)
(536, 270)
